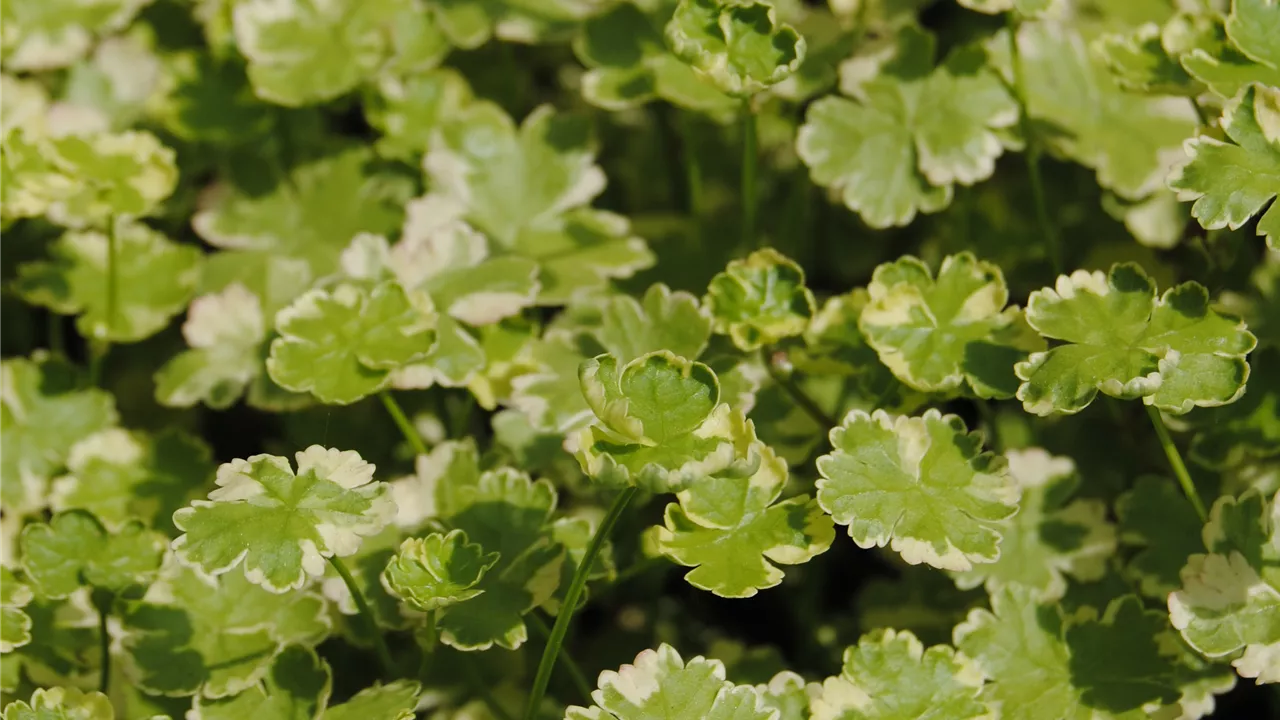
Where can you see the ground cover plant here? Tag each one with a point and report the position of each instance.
(639, 360)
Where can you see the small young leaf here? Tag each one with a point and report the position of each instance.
(1230, 598)
(660, 685)
(889, 675)
(15, 625)
(61, 703)
(949, 333)
(659, 424)
(728, 528)
(43, 414)
(1048, 538)
(437, 571)
(297, 686)
(760, 300)
(342, 344)
(1174, 352)
(213, 637)
(394, 701)
(1232, 182)
(283, 525)
(921, 485)
(155, 278)
(741, 47)
(74, 549)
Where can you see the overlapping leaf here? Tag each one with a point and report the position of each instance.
(393, 701)
(921, 485)
(407, 110)
(741, 47)
(74, 549)
(1232, 182)
(1228, 54)
(947, 334)
(280, 524)
(1156, 518)
(215, 637)
(296, 686)
(660, 685)
(1229, 600)
(43, 35)
(889, 675)
(15, 624)
(44, 412)
(1050, 537)
(909, 132)
(1175, 351)
(438, 570)
(729, 528)
(154, 279)
(342, 344)
(226, 331)
(659, 424)
(61, 703)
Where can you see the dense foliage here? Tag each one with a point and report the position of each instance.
(497, 359)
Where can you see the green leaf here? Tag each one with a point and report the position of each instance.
(49, 35)
(910, 132)
(1232, 182)
(661, 320)
(306, 218)
(1229, 599)
(760, 300)
(1083, 115)
(74, 549)
(507, 513)
(118, 475)
(550, 394)
(213, 636)
(155, 278)
(950, 333)
(728, 528)
(741, 47)
(206, 98)
(61, 703)
(921, 485)
(97, 177)
(283, 525)
(889, 675)
(43, 414)
(1251, 27)
(1156, 517)
(1175, 352)
(393, 701)
(438, 570)
(630, 65)
(1049, 538)
(659, 424)
(15, 624)
(1248, 429)
(1111, 667)
(342, 344)
(303, 52)
(296, 687)
(660, 685)
(226, 332)
(407, 110)
(1140, 62)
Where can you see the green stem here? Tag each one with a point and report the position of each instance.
(749, 153)
(570, 603)
(379, 642)
(692, 172)
(1032, 153)
(402, 421)
(567, 662)
(104, 681)
(428, 646)
(1175, 460)
(806, 403)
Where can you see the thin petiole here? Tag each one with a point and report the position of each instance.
(104, 609)
(379, 642)
(1032, 153)
(749, 159)
(1175, 461)
(801, 398)
(692, 172)
(567, 662)
(579, 583)
(402, 421)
